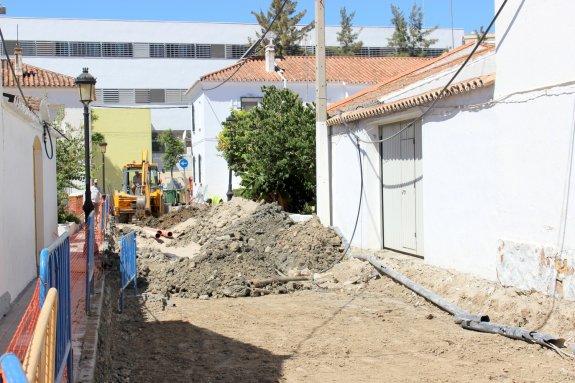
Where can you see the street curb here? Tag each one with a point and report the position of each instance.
(88, 358)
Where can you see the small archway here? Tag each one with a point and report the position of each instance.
(38, 196)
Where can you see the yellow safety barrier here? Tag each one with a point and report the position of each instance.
(39, 363)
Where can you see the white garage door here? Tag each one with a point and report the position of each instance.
(402, 182)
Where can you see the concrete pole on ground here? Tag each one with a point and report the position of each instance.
(322, 135)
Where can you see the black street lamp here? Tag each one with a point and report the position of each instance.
(86, 84)
(103, 146)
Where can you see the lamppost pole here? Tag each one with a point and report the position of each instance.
(103, 146)
(88, 205)
(86, 84)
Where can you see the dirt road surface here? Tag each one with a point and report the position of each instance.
(378, 333)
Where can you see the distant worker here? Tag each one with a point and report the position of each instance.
(191, 189)
(136, 182)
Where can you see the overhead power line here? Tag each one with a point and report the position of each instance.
(242, 60)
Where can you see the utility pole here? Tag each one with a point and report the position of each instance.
(322, 136)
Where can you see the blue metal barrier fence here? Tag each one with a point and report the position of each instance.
(55, 272)
(128, 266)
(12, 371)
(90, 232)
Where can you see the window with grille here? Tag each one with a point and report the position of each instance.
(157, 50)
(111, 96)
(157, 96)
(84, 49)
(142, 96)
(235, 51)
(62, 48)
(203, 51)
(117, 50)
(249, 102)
(180, 50)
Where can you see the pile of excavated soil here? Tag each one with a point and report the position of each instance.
(264, 244)
(213, 220)
(168, 220)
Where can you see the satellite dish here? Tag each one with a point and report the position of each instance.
(45, 114)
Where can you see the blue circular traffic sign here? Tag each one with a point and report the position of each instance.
(184, 163)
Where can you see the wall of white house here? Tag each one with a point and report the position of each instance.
(214, 106)
(494, 191)
(545, 24)
(17, 218)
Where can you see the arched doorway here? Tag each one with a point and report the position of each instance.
(38, 196)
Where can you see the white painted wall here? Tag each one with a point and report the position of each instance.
(212, 107)
(547, 25)
(181, 32)
(17, 245)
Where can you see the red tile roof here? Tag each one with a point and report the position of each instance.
(410, 102)
(349, 69)
(42, 79)
(370, 96)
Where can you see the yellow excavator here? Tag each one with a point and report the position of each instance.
(141, 193)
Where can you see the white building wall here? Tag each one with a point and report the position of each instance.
(524, 25)
(346, 186)
(17, 217)
(183, 32)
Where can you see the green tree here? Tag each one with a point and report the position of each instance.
(400, 38)
(348, 39)
(288, 34)
(69, 168)
(272, 148)
(174, 148)
(419, 39)
(409, 37)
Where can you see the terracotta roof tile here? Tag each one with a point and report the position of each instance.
(42, 79)
(410, 102)
(370, 96)
(349, 69)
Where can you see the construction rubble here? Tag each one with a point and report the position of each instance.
(246, 249)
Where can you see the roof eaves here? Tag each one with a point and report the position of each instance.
(413, 101)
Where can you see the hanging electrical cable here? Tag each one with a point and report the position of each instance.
(242, 60)
(444, 89)
(44, 134)
(348, 246)
(358, 139)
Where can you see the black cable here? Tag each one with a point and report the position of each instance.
(242, 59)
(358, 140)
(358, 209)
(47, 133)
(432, 106)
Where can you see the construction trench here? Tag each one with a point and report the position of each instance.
(239, 292)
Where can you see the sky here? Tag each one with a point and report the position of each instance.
(467, 14)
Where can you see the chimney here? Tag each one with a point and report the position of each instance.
(270, 56)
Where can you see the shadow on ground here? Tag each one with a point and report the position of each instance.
(135, 346)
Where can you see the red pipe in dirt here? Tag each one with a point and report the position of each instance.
(166, 234)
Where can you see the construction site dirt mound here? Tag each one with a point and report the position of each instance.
(213, 220)
(261, 253)
(171, 219)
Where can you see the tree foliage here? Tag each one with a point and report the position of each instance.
(174, 148)
(288, 33)
(272, 148)
(349, 43)
(409, 37)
